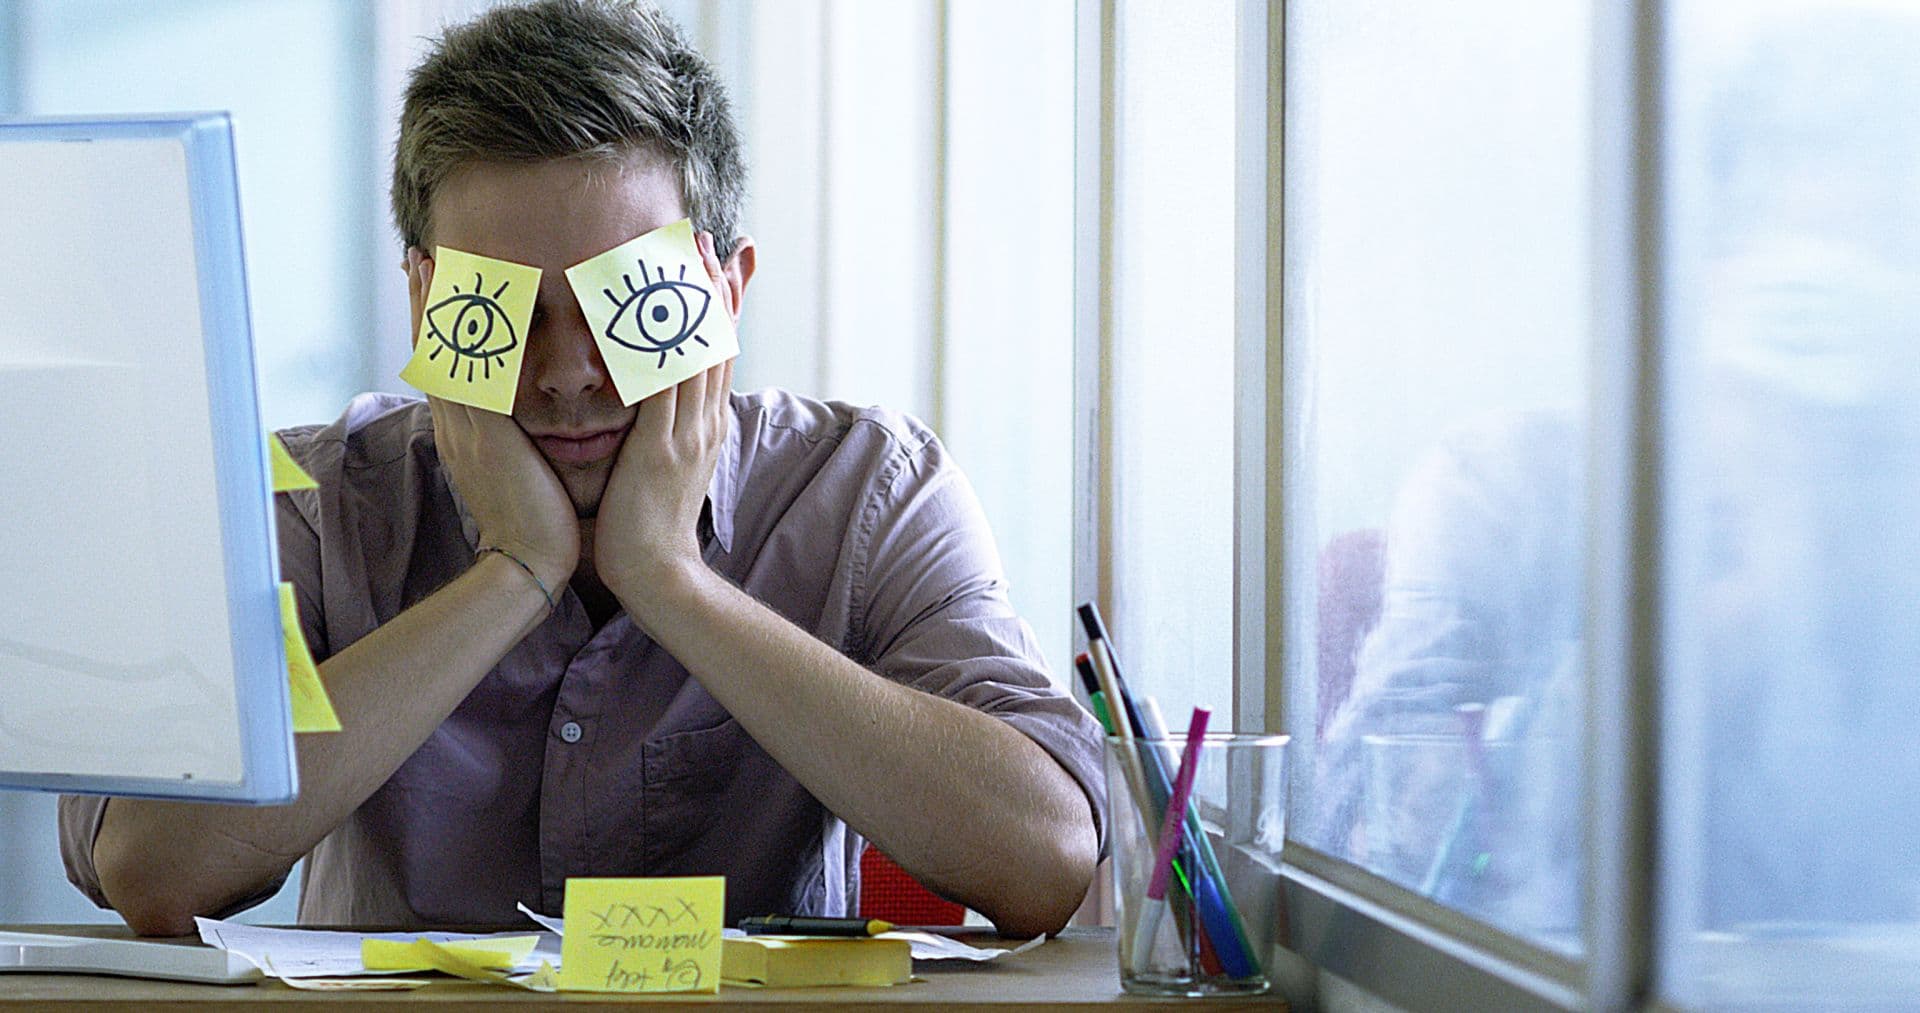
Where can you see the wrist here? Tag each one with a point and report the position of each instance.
(660, 591)
(524, 580)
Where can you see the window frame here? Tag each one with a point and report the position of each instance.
(1336, 918)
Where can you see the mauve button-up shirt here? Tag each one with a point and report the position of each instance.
(592, 752)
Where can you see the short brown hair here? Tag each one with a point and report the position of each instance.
(565, 79)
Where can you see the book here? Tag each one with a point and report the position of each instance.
(800, 961)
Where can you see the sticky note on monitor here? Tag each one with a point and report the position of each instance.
(658, 934)
(654, 311)
(287, 473)
(473, 330)
(312, 711)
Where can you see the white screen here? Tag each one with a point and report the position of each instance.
(116, 654)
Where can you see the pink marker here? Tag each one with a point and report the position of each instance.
(1177, 805)
(1147, 926)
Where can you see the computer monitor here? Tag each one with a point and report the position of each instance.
(140, 641)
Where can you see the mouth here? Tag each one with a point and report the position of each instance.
(580, 446)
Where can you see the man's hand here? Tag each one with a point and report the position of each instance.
(516, 500)
(645, 533)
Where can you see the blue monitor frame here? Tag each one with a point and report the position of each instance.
(241, 467)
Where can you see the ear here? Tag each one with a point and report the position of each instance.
(739, 271)
(419, 269)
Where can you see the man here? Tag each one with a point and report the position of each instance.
(691, 636)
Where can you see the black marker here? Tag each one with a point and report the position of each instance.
(807, 925)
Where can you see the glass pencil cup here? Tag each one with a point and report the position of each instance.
(1197, 918)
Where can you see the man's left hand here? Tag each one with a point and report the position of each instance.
(646, 531)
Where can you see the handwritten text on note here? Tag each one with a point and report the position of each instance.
(643, 935)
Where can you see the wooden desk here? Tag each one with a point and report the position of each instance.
(1075, 971)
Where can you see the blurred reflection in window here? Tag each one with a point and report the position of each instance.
(1453, 761)
(1437, 328)
(1792, 614)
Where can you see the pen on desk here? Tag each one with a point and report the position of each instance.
(808, 925)
(1171, 829)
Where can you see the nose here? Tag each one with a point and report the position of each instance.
(563, 361)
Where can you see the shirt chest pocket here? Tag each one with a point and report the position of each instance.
(695, 788)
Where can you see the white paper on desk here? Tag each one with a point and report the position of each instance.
(925, 945)
(314, 953)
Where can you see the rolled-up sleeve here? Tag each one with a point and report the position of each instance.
(934, 613)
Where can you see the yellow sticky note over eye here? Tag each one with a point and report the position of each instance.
(643, 935)
(287, 473)
(654, 311)
(473, 330)
(312, 711)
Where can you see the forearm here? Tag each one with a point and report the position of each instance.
(965, 802)
(160, 863)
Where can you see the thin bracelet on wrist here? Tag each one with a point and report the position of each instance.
(522, 564)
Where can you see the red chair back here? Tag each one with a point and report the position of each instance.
(888, 893)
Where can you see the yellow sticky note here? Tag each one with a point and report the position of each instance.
(287, 473)
(312, 711)
(643, 935)
(473, 331)
(654, 312)
(460, 958)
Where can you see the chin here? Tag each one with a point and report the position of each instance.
(585, 492)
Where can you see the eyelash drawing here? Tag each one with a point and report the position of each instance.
(466, 324)
(649, 314)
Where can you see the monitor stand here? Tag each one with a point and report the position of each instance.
(133, 958)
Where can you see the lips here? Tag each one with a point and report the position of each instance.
(580, 446)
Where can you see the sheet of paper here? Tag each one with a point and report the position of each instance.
(312, 710)
(287, 473)
(656, 934)
(925, 945)
(654, 311)
(313, 953)
(473, 331)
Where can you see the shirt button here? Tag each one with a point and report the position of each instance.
(570, 731)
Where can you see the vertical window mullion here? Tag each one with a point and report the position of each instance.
(1622, 568)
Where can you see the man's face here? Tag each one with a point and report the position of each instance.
(553, 215)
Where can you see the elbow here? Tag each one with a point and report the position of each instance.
(1052, 889)
(156, 889)
(150, 905)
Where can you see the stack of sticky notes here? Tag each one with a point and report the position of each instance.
(797, 961)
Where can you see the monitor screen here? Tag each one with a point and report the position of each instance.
(140, 639)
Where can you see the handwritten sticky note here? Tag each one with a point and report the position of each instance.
(473, 330)
(287, 473)
(643, 935)
(312, 711)
(654, 311)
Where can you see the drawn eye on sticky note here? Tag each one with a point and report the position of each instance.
(473, 330)
(654, 312)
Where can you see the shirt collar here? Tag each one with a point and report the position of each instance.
(722, 490)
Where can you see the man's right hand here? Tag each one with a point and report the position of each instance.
(516, 500)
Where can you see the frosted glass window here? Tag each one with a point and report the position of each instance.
(1792, 556)
(1171, 359)
(1437, 334)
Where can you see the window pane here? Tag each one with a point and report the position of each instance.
(1437, 336)
(1792, 558)
(301, 145)
(1171, 363)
